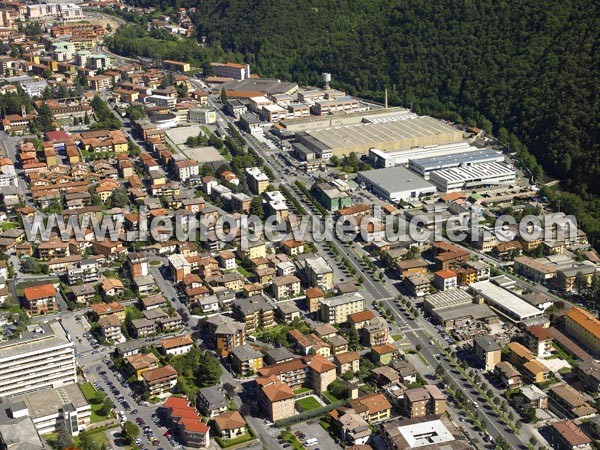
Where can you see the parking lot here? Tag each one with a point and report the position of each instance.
(312, 429)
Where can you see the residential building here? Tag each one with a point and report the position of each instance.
(335, 310)
(186, 169)
(110, 328)
(42, 357)
(568, 402)
(211, 401)
(354, 430)
(227, 333)
(143, 327)
(292, 372)
(321, 372)
(276, 399)
(309, 344)
(539, 340)
(40, 299)
(231, 70)
(159, 382)
(445, 279)
(245, 360)
(314, 296)
(507, 374)
(286, 287)
(140, 363)
(347, 361)
(566, 435)
(487, 351)
(177, 345)
(384, 353)
(84, 271)
(100, 310)
(584, 328)
(424, 401)
(257, 180)
(588, 373)
(254, 311)
(183, 419)
(230, 425)
(318, 273)
(373, 408)
(535, 372)
(534, 397)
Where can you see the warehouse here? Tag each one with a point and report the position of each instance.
(383, 159)
(386, 136)
(424, 166)
(396, 183)
(455, 307)
(473, 177)
(504, 301)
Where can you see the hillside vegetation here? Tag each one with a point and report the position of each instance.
(528, 71)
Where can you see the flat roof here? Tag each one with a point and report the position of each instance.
(447, 299)
(425, 433)
(375, 133)
(41, 337)
(395, 179)
(477, 156)
(469, 173)
(505, 301)
(266, 85)
(49, 401)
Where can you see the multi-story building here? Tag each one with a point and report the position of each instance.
(245, 360)
(257, 180)
(566, 401)
(211, 401)
(335, 310)
(177, 345)
(445, 279)
(314, 296)
(373, 408)
(40, 299)
(566, 435)
(318, 273)
(110, 327)
(84, 271)
(141, 362)
(584, 328)
(186, 169)
(539, 340)
(184, 419)
(424, 401)
(487, 351)
(254, 311)
(286, 287)
(230, 425)
(347, 361)
(42, 357)
(321, 373)
(568, 278)
(228, 334)
(231, 70)
(159, 382)
(507, 374)
(292, 372)
(588, 373)
(276, 399)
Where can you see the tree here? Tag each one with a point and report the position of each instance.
(353, 339)
(348, 375)
(64, 438)
(338, 389)
(224, 96)
(439, 371)
(130, 432)
(208, 372)
(119, 198)
(107, 406)
(45, 119)
(108, 27)
(256, 207)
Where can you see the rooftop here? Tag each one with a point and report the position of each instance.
(395, 179)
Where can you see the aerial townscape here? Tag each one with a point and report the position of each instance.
(201, 250)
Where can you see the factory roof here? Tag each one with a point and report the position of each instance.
(477, 156)
(504, 300)
(394, 179)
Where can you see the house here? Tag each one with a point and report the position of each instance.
(360, 319)
(373, 408)
(40, 299)
(338, 344)
(487, 351)
(276, 399)
(245, 360)
(288, 311)
(177, 345)
(507, 374)
(154, 302)
(314, 296)
(445, 279)
(424, 401)
(348, 361)
(385, 375)
(83, 293)
(533, 397)
(230, 425)
(309, 344)
(407, 372)
(286, 287)
(211, 401)
(112, 287)
(383, 354)
(565, 435)
(100, 310)
(159, 382)
(140, 363)
(354, 430)
(535, 372)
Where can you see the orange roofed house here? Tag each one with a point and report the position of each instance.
(275, 398)
(159, 382)
(584, 328)
(40, 299)
(188, 425)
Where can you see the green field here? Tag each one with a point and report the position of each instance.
(308, 403)
(90, 395)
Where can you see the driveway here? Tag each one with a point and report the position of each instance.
(312, 429)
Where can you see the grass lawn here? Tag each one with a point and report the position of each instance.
(332, 398)
(397, 337)
(244, 272)
(9, 226)
(88, 391)
(155, 263)
(226, 443)
(301, 390)
(90, 395)
(308, 403)
(293, 440)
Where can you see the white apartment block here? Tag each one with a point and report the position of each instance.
(44, 357)
(232, 70)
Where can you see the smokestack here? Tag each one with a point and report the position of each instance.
(386, 99)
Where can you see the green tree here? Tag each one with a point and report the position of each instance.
(208, 372)
(224, 96)
(353, 339)
(256, 207)
(63, 438)
(119, 198)
(338, 389)
(107, 406)
(130, 432)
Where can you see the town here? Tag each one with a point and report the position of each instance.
(373, 343)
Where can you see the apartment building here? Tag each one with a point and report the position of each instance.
(445, 279)
(42, 357)
(276, 399)
(347, 361)
(321, 373)
(183, 418)
(286, 287)
(314, 296)
(84, 271)
(539, 340)
(566, 435)
(140, 363)
(228, 334)
(373, 408)
(211, 401)
(291, 372)
(110, 328)
(535, 372)
(318, 273)
(487, 351)
(335, 310)
(177, 345)
(159, 382)
(257, 180)
(254, 311)
(40, 299)
(231, 70)
(424, 401)
(568, 402)
(246, 361)
(186, 169)
(584, 328)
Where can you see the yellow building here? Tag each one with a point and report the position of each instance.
(140, 363)
(585, 328)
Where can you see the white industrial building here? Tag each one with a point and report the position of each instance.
(380, 158)
(504, 302)
(425, 165)
(473, 177)
(396, 183)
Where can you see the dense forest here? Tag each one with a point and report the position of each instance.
(528, 71)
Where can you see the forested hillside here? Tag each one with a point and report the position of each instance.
(528, 67)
